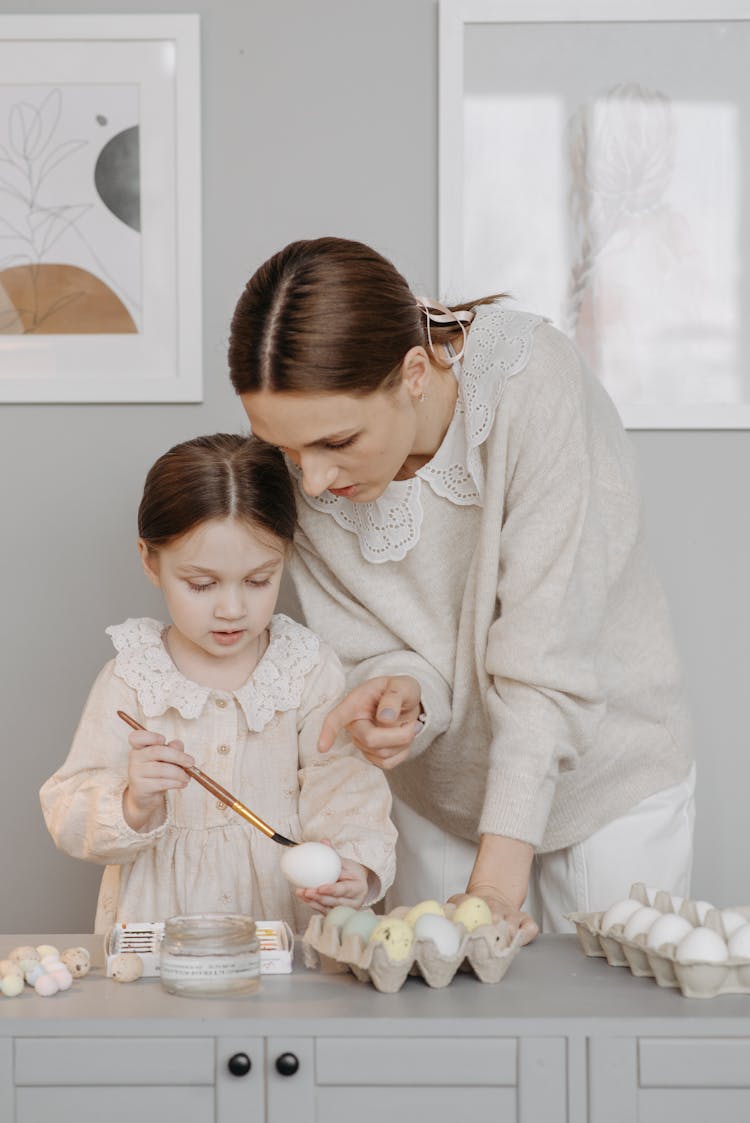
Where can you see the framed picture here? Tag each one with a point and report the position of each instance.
(100, 219)
(594, 158)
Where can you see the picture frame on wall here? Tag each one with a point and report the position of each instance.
(100, 208)
(592, 162)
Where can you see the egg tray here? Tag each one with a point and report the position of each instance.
(695, 979)
(487, 952)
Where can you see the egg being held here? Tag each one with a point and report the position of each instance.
(310, 864)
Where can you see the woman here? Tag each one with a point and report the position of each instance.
(470, 542)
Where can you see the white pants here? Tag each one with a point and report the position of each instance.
(652, 843)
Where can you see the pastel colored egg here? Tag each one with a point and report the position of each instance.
(640, 922)
(10, 967)
(63, 978)
(25, 951)
(668, 929)
(396, 936)
(338, 916)
(11, 985)
(46, 985)
(445, 935)
(310, 864)
(702, 945)
(77, 960)
(362, 923)
(33, 973)
(51, 962)
(127, 967)
(47, 949)
(619, 913)
(471, 913)
(424, 908)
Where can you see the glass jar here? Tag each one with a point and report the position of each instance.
(210, 953)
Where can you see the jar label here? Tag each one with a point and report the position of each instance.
(210, 966)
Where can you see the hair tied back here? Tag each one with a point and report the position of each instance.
(436, 313)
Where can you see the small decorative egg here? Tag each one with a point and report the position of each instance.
(11, 985)
(46, 985)
(33, 973)
(62, 977)
(362, 923)
(732, 921)
(668, 929)
(50, 962)
(640, 922)
(310, 864)
(127, 967)
(424, 908)
(619, 913)
(702, 908)
(702, 945)
(338, 916)
(27, 964)
(44, 950)
(77, 960)
(10, 967)
(396, 936)
(471, 913)
(24, 952)
(739, 943)
(445, 935)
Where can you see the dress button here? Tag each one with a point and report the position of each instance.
(221, 806)
(221, 703)
(223, 749)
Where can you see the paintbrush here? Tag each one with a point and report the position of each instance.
(221, 793)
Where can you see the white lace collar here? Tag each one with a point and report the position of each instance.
(275, 685)
(498, 346)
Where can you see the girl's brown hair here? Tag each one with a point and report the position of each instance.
(328, 315)
(216, 477)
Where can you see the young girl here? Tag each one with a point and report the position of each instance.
(227, 686)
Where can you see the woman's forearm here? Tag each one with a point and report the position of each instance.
(501, 869)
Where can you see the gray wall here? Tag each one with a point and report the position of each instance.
(317, 118)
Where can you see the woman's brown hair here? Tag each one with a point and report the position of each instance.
(327, 315)
(216, 477)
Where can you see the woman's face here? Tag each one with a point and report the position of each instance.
(350, 446)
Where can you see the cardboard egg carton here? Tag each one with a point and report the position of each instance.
(695, 979)
(487, 951)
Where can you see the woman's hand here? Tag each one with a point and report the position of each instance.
(154, 767)
(501, 909)
(350, 889)
(381, 718)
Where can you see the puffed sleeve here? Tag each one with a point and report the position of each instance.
(342, 797)
(368, 649)
(82, 801)
(557, 559)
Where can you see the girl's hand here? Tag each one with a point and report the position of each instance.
(154, 767)
(350, 889)
(501, 909)
(381, 718)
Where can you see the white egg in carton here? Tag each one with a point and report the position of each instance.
(702, 950)
(487, 951)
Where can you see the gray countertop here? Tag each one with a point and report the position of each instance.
(550, 988)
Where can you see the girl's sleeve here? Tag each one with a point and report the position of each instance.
(82, 801)
(343, 797)
(367, 648)
(545, 698)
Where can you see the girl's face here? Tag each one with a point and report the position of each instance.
(350, 446)
(220, 582)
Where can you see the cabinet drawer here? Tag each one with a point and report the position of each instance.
(694, 1062)
(114, 1105)
(126, 1060)
(472, 1061)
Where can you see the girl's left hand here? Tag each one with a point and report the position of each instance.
(350, 889)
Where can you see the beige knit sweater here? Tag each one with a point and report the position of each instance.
(520, 595)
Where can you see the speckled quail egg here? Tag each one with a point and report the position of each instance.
(127, 967)
(24, 952)
(702, 945)
(424, 908)
(77, 960)
(396, 936)
(310, 864)
(471, 913)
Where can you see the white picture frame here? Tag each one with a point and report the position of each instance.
(551, 109)
(100, 208)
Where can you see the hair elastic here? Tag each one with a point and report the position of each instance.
(442, 316)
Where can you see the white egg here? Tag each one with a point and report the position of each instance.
(619, 913)
(668, 929)
(732, 921)
(702, 945)
(739, 943)
(640, 922)
(443, 933)
(701, 908)
(310, 864)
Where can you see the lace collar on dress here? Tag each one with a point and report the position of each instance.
(275, 685)
(498, 346)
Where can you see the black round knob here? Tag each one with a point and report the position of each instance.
(287, 1064)
(240, 1064)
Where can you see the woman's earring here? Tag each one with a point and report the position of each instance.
(422, 397)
